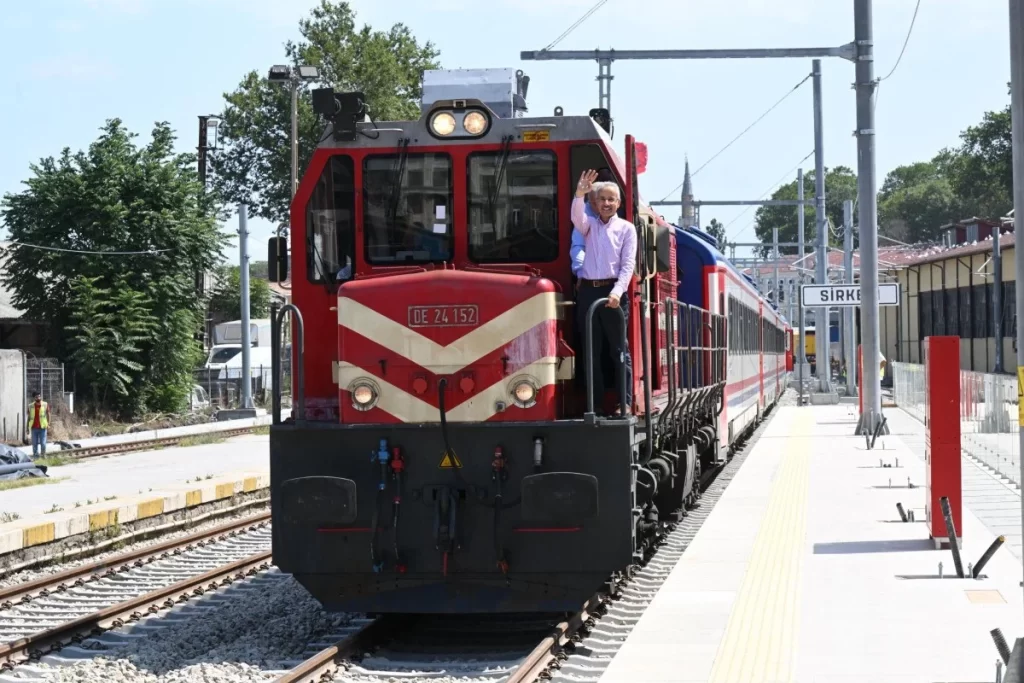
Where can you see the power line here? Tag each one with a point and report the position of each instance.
(745, 130)
(579, 21)
(770, 190)
(905, 41)
(86, 251)
(874, 102)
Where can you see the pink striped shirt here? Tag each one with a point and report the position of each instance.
(610, 248)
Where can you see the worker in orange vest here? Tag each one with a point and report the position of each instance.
(38, 422)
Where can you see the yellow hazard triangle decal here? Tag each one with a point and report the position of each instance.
(449, 460)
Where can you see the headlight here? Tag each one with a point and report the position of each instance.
(524, 392)
(443, 123)
(364, 394)
(475, 123)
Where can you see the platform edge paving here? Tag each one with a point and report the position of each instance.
(98, 517)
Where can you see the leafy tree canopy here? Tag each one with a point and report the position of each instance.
(717, 230)
(914, 202)
(128, 321)
(386, 66)
(974, 178)
(980, 170)
(840, 185)
(226, 300)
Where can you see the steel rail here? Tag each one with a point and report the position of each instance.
(537, 662)
(325, 663)
(328, 661)
(127, 447)
(76, 576)
(32, 647)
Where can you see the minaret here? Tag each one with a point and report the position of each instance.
(687, 218)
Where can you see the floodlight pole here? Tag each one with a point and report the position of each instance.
(867, 218)
(294, 75)
(1017, 128)
(294, 82)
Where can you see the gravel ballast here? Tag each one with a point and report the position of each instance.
(250, 631)
(26, 575)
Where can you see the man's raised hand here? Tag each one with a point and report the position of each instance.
(586, 183)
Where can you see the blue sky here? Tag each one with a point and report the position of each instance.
(72, 64)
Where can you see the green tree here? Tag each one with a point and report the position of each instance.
(386, 66)
(915, 201)
(840, 185)
(258, 269)
(980, 170)
(109, 326)
(717, 230)
(116, 197)
(226, 301)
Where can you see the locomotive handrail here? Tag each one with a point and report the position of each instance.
(590, 416)
(670, 356)
(676, 399)
(275, 365)
(299, 388)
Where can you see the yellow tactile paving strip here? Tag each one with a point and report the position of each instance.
(760, 641)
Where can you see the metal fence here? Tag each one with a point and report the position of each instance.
(45, 375)
(221, 388)
(989, 430)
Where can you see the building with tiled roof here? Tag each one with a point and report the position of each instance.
(946, 288)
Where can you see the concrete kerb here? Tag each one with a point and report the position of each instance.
(50, 534)
(173, 432)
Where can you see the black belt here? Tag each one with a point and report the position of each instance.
(598, 283)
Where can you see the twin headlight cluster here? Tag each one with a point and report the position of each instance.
(365, 392)
(466, 123)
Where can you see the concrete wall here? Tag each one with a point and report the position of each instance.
(12, 395)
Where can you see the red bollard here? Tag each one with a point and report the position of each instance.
(942, 436)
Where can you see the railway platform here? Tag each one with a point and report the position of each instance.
(805, 571)
(103, 494)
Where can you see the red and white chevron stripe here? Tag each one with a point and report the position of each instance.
(481, 363)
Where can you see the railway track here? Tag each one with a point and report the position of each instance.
(510, 650)
(514, 649)
(86, 452)
(44, 615)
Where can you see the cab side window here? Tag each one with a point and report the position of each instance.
(586, 157)
(330, 223)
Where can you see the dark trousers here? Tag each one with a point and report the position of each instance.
(608, 338)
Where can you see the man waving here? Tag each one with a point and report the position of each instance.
(609, 259)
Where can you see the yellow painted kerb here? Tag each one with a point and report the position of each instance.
(249, 484)
(150, 508)
(38, 534)
(225, 490)
(102, 519)
(193, 498)
(760, 641)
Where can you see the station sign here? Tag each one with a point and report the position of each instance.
(846, 295)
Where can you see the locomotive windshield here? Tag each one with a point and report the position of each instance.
(513, 207)
(407, 201)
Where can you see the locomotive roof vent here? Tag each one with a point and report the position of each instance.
(502, 90)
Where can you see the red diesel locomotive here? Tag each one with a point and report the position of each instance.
(441, 455)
